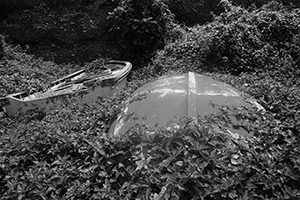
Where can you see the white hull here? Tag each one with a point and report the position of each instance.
(84, 92)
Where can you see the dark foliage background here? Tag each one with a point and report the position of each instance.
(67, 153)
(139, 28)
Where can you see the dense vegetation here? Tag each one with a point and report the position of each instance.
(139, 28)
(67, 153)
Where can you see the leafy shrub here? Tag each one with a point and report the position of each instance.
(240, 41)
(260, 3)
(2, 42)
(139, 28)
(22, 72)
(192, 12)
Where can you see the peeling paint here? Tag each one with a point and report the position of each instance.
(223, 93)
(170, 81)
(192, 100)
(192, 83)
(166, 91)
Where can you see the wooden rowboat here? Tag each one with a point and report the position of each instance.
(86, 88)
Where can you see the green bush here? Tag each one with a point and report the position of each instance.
(22, 72)
(240, 41)
(139, 28)
(192, 12)
(260, 3)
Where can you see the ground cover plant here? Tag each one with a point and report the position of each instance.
(67, 153)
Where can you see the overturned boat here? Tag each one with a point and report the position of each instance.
(86, 88)
(191, 95)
